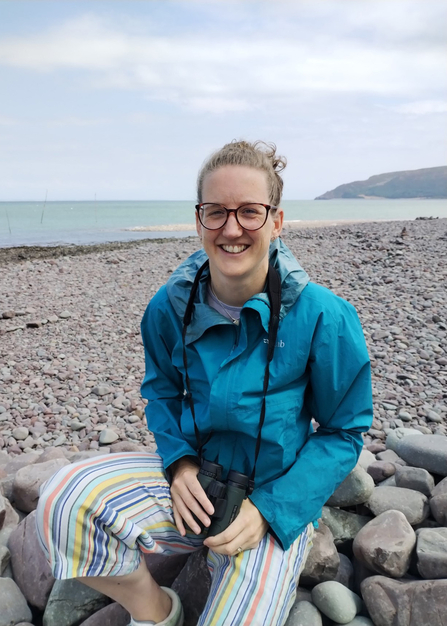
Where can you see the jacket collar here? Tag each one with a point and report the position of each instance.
(293, 281)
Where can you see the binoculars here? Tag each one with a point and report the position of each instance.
(226, 497)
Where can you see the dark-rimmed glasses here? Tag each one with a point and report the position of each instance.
(250, 216)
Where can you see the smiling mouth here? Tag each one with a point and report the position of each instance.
(234, 249)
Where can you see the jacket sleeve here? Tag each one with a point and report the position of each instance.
(162, 386)
(339, 397)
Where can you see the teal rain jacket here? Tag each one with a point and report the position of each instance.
(320, 369)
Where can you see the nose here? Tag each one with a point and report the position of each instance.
(232, 228)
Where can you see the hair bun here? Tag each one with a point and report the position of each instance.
(259, 155)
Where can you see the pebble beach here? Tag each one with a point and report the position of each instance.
(71, 364)
(72, 359)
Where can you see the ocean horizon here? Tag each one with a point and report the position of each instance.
(91, 222)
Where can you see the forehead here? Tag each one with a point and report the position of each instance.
(238, 183)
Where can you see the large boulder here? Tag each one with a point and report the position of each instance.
(70, 603)
(13, 606)
(28, 480)
(343, 525)
(323, 560)
(426, 451)
(165, 569)
(413, 504)
(345, 573)
(414, 478)
(29, 565)
(193, 585)
(431, 552)
(355, 489)
(112, 615)
(400, 603)
(21, 460)
(398, 434)
(385, 544)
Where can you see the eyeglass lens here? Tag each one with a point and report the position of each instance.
(249, 216)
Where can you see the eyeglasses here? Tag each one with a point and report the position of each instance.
(252, 216)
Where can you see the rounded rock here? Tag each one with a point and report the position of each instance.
(385, 544)
(304, 613)
(336, 601)
(355, 489)
(431, 552)
(20, 433)
(108, 436)
(413, 504)
(366, 458)
(396, 435)
(426, 451)
(379, 470)
(414, 478)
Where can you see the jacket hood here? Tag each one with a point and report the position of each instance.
(293, 278)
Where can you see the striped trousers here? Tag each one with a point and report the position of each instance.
(97, 517)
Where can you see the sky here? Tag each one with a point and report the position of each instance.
(124, 100)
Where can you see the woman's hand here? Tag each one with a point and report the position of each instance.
(188, 497)
(245, 532)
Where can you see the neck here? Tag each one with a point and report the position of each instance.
(236, 292)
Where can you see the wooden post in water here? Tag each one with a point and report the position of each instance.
(7, 217)
(44, 204)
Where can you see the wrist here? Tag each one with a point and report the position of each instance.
(184, 461)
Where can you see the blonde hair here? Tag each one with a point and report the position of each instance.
(259, 155)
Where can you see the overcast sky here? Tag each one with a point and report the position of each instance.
(125, 99)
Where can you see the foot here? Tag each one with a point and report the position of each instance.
(175, 617)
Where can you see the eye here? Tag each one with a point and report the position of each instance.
(251, 210)
(213, 210)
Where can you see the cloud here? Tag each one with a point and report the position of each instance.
(8, 121)
(285, 60)
(421, 107)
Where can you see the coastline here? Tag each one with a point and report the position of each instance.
(287, 224)
(15, 254)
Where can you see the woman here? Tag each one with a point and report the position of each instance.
(241, 352)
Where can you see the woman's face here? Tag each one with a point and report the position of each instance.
(234, 252)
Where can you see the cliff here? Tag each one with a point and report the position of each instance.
(430, 182)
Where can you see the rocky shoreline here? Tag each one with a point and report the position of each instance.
(71, 362)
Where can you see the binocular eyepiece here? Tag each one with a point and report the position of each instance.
(225, 496)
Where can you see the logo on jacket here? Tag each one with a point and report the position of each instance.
(279, 344)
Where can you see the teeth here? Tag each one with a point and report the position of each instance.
(234, 249)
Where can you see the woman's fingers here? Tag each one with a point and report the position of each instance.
(194, 506)
(186, 515)
(245, 532)
(187, 506)
(178, 520)
(197, 491)
(186, 482)
(191, 499)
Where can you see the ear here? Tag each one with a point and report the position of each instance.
(278, 219)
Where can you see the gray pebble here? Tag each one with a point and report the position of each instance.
(336, 601)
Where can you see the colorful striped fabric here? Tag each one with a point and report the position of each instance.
(96, 518)
(256, 587)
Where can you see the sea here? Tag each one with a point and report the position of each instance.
(84, 223)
